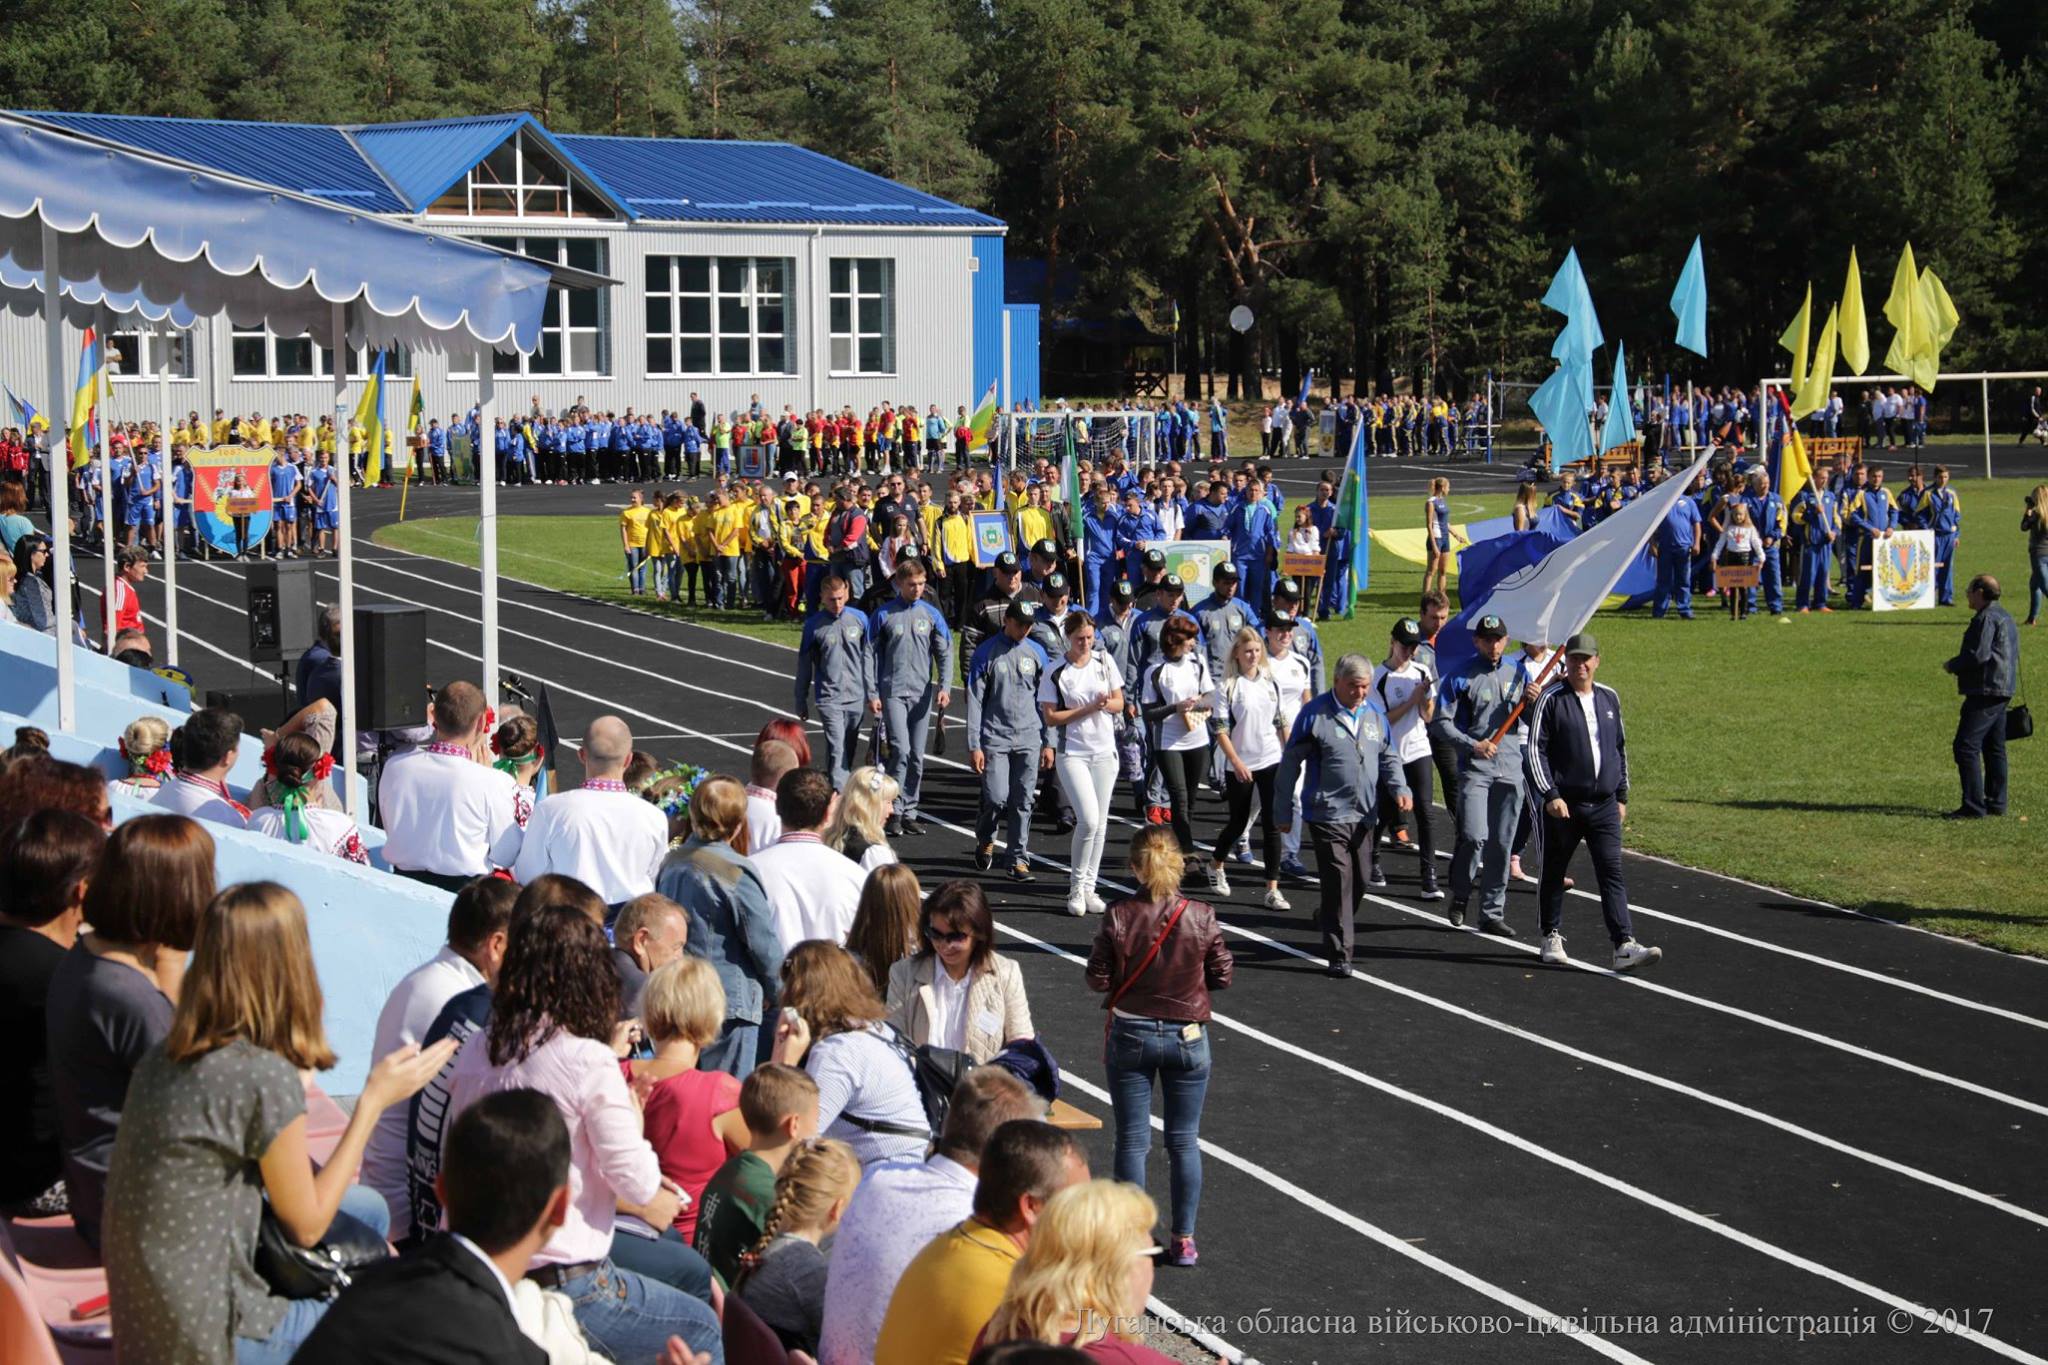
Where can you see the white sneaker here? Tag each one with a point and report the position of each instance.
(1629, 955)
(1276, 901)
(1096, 905)
(1553, 949)
(1077, 906)
(1219, 884)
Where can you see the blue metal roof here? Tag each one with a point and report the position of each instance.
(403, 167)
(685, 180)
(309, 158)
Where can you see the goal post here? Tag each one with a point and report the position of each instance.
(1983, 379)
(1098, 434)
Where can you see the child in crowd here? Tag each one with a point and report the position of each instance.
(780, 1107)
(782, 1277)
(1304, 538)
(1738, 544)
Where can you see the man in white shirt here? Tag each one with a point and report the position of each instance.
(772, 758)
(601, 834)
(204, 748)
(902, 1205)
(474, 951)
(813, 889)
(447, 817)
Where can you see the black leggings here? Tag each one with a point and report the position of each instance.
(1181, 770)
(1422, 787)
(1239, 795)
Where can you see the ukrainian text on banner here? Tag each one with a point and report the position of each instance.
(1902, 571)
(1193, 562)
(231, 495)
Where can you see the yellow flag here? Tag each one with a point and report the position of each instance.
(370, 417)
(1795, 468)
(1812, 396)
(1906, 310)
(1797, 339)
(1941, 309)
(1855, 335)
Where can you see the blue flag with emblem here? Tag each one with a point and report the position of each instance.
(1354, 518)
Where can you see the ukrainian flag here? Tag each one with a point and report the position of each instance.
(92, 379)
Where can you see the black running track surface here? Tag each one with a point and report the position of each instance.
(1806, 1135)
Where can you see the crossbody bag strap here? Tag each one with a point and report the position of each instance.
(1109, 1009)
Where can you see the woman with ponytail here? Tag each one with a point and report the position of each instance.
(515, 749)
(295, 767)
(783, 1277)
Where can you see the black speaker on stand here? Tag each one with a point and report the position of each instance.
(390, 667)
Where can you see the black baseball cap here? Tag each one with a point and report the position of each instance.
(1170, 584)
(1055, 585)
(1155, 559)
(1224, 570)
(1121, 590)
(1020, 610)
(1286, 587)
(1047, 549)
(1006, 562)
(1490, 626)
(1277, 619)
(1408, 631)
(1582, 643)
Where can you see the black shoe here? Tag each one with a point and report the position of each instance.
(893, 827)
(1338, 969)
(1377, 878)
(1063, 825)
(1498, 928)
(1963, 813)
(985, 857)
(1020, 871)
(913, 826)
(1456, 913)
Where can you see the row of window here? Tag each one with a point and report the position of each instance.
(706, 316)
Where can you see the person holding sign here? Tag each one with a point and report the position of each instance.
(1739, 544)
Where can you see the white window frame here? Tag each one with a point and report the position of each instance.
(853, 335)
(146, 345)
(528, 179)
(554, 319)
(398, 365)
(718, 290)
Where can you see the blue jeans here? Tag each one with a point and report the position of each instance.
(2037, 588)
(632, 1317)
(666, 1259)
(737, 1051)
(364, 1205)
(1136, 1051)
(1674, 582)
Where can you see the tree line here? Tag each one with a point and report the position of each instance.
(1386, 185)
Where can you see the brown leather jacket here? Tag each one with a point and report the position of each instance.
(1191, 963)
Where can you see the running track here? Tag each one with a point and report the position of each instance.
(1801, 1113)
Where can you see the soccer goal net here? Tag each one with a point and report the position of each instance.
(1034, 436)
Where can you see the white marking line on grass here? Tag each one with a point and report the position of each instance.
(1754, 886)
(1432, 1106)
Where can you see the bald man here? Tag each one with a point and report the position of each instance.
(606, 837)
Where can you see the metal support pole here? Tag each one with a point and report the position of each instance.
(344, 559)
(60, 482)
(487, 528)
(1987, 428)
(167, 523)
(103, 389)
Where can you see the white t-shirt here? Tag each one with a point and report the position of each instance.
(447, 814)
(813, 890)
(1410, 737)
(1586, 700)
(611, 841)
(1066, 685)
(1252, 706)
(1291, 671)
(1176, 680)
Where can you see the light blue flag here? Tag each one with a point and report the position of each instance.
(1353, 571)
(1621, 420)
(1301, 399)
(1561, 406)
(1569, 295)
(1689, 302)
(24, 413)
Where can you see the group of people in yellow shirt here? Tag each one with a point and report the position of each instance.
(294, 432)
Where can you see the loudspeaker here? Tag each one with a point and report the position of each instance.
(391, 667)
(282, 614)
(261, 708)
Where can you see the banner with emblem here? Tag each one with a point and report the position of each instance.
(1902, 571)
(231, 495)
(1193, 562)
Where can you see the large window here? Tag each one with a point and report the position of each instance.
(522, 179)
(139, 355)
(256, 354)
(863, 315)
(575, 336)
(718, 315)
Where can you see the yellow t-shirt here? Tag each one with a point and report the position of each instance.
(681, 534)
(634, 520)
(220, 430)
(1033, 525)
(956, 540)
(658, 543)
(946, 1297)
(929, 514)
(700, 527)
(728, 529)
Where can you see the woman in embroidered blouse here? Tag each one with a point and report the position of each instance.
(297, 766)
(515, 749)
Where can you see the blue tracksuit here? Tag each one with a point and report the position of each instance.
(1767, 513)
(1254, 531)
(1204, 520)
(1132, 530)
(1820, 518)
(1945, 519)
(1873, 516)
(1674, 558)
(1473, 705)
(1098, 547)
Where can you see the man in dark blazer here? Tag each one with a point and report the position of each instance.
(1578, 758)
(505, 1184)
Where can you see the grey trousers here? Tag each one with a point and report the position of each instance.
(1489, 803)
(907, 724)
(1009, 788)
(842, 740)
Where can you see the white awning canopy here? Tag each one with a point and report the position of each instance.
(148, 235)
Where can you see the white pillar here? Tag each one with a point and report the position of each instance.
(103, 417)
(345, 563)
(487, 525)
(167, 529)
(1987, 428)
(1008, 406)
(60, 480)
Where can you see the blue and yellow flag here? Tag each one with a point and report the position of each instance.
(85, 398)
(370, 417)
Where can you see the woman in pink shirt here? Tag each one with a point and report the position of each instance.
(691, 1117)
(553, 1016)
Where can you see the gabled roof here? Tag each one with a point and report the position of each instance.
(688, 180)
(310, 158)
(401, 168)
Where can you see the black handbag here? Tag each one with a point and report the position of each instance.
(2019, 721)
(316, 1272)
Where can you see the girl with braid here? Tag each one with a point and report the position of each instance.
(516, 749)
(783, 1277)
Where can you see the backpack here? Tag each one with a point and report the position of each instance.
(935, 1071)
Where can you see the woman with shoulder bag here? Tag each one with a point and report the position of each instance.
(1248, 709)
(1156, 959)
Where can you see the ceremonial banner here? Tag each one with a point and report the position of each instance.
(1192, 562)
(1902, 571)
(754, 462)
(230, 482)
(991, 537)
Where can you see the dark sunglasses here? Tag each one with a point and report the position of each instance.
(943, 936)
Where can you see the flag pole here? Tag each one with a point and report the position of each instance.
(1541, 681)
(167, 521)
(344, 562)
(60, 480)
(99, 414)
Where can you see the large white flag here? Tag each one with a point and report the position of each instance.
(1552, 599)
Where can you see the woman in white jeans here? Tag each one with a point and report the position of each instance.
(1080, 696)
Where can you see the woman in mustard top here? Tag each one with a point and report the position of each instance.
(660, 548)
(633, 537)
(687, 548)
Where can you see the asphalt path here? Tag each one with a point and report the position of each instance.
(1807, 1131)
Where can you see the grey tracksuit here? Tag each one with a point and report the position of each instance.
(1489, 789)
(835, 667)
(912, 644)
(1005, 724)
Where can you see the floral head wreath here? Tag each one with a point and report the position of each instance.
(157, 763)
(319, 772)
(675, 801)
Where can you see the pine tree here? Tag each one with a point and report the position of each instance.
(893, 97)
(752, 62)
(627, 75)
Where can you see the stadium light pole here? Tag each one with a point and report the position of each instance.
(344, 557)
(167, 525)
(487, 522)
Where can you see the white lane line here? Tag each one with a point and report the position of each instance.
(1922, 1313)
(1733, 1011)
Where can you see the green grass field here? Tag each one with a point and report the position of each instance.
(1810, 754)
